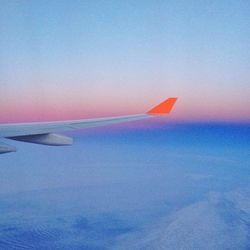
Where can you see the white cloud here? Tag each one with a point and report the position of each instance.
(216, 222)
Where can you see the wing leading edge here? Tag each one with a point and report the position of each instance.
(44, 132)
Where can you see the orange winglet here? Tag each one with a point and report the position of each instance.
(164, 107)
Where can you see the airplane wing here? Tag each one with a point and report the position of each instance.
(46, 132)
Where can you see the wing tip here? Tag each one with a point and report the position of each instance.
(164, 107)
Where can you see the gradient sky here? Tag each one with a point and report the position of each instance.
(74, 59)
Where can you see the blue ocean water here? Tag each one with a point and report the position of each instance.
(177, 186)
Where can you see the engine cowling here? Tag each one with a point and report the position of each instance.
(5, 148)
(45, 139)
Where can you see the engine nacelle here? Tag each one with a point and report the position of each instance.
(45, 139)
(5, 148)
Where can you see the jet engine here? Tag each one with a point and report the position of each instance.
(45, 139)
(5, 148)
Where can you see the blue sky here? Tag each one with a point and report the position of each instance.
(71, 59)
